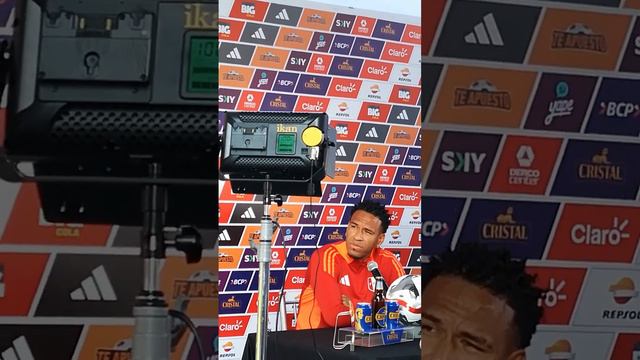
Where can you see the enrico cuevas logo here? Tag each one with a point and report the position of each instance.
(560, 350)
(623, 291)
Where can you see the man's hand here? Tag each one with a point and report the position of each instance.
(346, 301)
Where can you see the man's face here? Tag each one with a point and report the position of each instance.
(462, 321)
(364, 232)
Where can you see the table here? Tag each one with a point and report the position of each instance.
(298, 345)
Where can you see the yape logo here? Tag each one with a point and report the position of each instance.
(483, 97)
(561, 289)
(597, 169)
(523, 227)
(561, 102)
(28, 225)
(596, 233)
(525, 165)
(321, 42)
(580, 39)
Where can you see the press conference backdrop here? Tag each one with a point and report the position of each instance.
(67, 290)
(531, 142)
(362, 68)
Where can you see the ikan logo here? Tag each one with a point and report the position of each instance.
(482, 93)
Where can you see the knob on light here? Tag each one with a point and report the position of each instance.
(312, 136)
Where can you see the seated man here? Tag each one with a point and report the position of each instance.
(337, 277)
(477, 304)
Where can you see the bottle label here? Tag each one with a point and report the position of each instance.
(381, 317)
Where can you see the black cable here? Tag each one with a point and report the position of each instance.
(184, 318)
(315, 283)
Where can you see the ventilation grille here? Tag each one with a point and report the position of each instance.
(270, 163)
(273, 117)
(135, 128)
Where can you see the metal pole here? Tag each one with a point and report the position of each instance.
(152, 333)
(264, 260)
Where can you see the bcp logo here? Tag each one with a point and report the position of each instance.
(621, 110)
(233, 325)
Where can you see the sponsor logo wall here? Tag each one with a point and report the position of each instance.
(67, 290)
(362, 69)
(533, 131)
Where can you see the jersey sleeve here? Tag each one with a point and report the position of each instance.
(328, 290)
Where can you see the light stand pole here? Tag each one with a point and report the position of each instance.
(264, 260)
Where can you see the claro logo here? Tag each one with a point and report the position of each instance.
(588, 234)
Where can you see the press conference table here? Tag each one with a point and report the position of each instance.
(297, 345)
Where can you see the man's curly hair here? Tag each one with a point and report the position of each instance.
(375, 208)
(497, 272)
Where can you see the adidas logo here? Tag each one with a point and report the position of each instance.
(372, 133)
(95, 287)
(485, 33)
(7, 29)
(224, 236)
(259, 34)
(340, 151)
(234, 54)
(403, 115)
(345, 280)
(19, 351)
(248, 214)
(282, 15)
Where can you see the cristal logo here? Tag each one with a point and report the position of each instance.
(590, 235)
(600, 168)
(554, 294)
(623, 290)
(561, 106)
(505, 228)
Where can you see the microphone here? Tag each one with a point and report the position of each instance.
(372, 266)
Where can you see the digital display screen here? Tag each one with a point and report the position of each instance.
(203, 65)
(286, 143)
